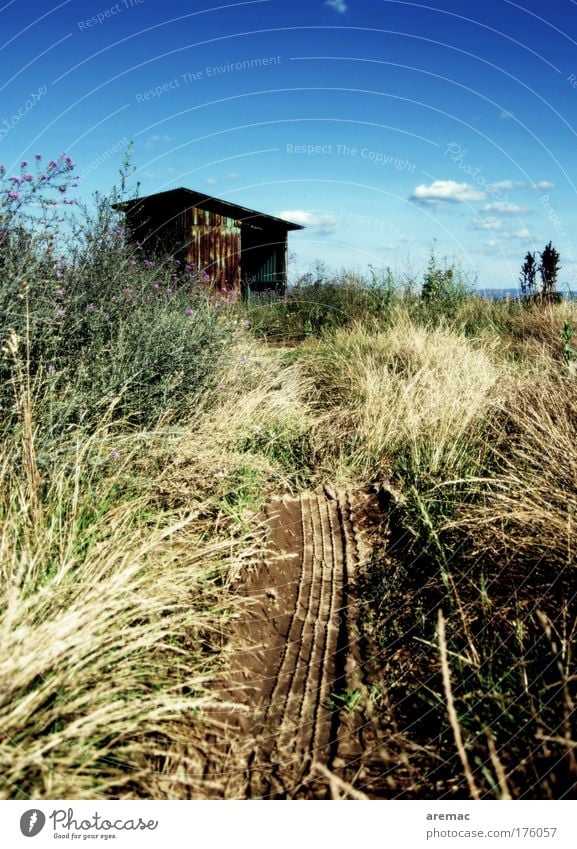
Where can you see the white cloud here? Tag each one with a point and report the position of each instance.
(507, 185)
(232, 176)
(505, 208)
(152, 141)
(210, 181)
(442, 191)
(521, 234)
(488, 223)
(322, 225)
(337, 5)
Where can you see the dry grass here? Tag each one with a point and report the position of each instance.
(501, 575)
(116, 548)
(531, 495)
(254, 439)
(405, 390)
(109, 607)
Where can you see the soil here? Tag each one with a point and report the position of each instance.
(293, 677)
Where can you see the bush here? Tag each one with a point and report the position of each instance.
(444, 290)
(311, 309)
(119, 329)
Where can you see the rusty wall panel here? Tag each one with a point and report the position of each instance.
(204, 218)
(214, 247)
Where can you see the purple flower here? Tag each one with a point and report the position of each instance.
(69, 161)
(28, 178)
(205, 277)
(62, 189)
(227, 295)
(37, 157)
(24, 163)
(51, 369)
(128, 292)
(51, 165)
(132, 263)
(244, 359)
(15, 180)
(90, 308)
(59, 312)
(190, 312)
(156, 285)
(13, 196)
(245, 323)
(115, 454)
(147, 262)
(59, 293)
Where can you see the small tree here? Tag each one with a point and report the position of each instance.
(444, 288)
(437, 280)
(529, 276)
(549, 269)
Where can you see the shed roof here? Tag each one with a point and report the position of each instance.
(183, 198)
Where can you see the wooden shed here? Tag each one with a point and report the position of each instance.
(238, 248)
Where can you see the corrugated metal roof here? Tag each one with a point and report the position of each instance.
(187, 198)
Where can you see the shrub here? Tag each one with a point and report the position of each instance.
(121, 329)
(529, 276)
(549, 269)
(311, 309)
(444, 289)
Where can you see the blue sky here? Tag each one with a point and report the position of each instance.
(380, 125)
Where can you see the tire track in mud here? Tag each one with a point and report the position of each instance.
(294, 643)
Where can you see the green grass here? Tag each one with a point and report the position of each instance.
(344, 700)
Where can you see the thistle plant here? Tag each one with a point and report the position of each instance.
(31, 203)
(569, 352)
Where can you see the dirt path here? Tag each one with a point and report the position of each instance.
(295, 667)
